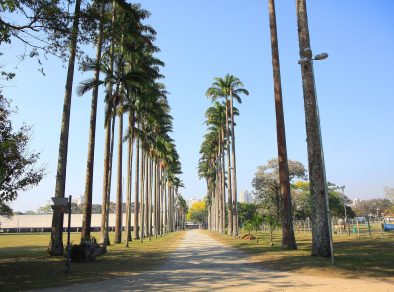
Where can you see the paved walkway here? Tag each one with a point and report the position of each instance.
(203, 264)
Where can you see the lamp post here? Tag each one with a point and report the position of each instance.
(321, 228)
(308, 79)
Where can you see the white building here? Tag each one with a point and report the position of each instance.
(78, 200)
(246, 197)
(355, 202)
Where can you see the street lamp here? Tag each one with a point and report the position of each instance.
(308, 56)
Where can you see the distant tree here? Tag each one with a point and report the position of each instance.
(389, 193)
(338, 201)
(96, 209)
(30, 212)
(375, 207)
(302, 203)
(301, 199)
(256, 224)
(248, 226)
(271, 222)
(267, 185)
(390, 210)
(197, 213)
(76, 209)
(5, 211)
(18, 171)
(112, 208)
(45, 209)
(245, 212)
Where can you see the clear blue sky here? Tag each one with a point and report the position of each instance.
(202, 39)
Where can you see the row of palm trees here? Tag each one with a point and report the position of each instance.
(217, 147)
(126, 67)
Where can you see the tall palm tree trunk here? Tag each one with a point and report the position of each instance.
(156, 207)
(209, 206)
(320, 210)
(136, 189)
(217, 195)
(222, 184)
(150, 199)
(223, 195)
(229, 187)
(56, 241)
(165, 209)
(146, 211)
(119, 191)
(111, 156)
(288, 238)
(172, 209)
(158, 199)
(87, 206)
(107, 147)
(142, 195)
(159, 204)
(162, 191)
(234, 169)
(169, 208)
(108, 150)
(212, 191)
(129, 177)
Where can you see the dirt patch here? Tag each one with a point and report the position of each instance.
(248, 237)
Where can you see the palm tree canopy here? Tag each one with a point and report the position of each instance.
(225, 87)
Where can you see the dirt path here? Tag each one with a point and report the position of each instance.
(203, 264)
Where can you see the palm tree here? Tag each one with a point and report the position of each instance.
(182, 207)
(136, 189)
(288, 238)
(129, 176)
(208, 169)
(110, 108)
(56, 241)
(216, 118)
(119, 193)
(230, 87)
(321, 238)
(87, 207)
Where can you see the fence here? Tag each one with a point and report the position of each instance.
(354, 227)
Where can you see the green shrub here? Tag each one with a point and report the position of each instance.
(78, 253)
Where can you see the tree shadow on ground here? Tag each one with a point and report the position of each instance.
(29, 267)
(354, 257)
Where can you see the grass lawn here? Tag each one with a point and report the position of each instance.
(355, 257)
(24, 263)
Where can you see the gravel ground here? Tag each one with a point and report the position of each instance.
(203, 264)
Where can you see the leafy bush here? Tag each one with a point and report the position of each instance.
(78, 253)
(86, 251)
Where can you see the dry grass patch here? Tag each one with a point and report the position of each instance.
(25, 265)
(356, 257)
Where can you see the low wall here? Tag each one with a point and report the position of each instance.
(42, 223)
